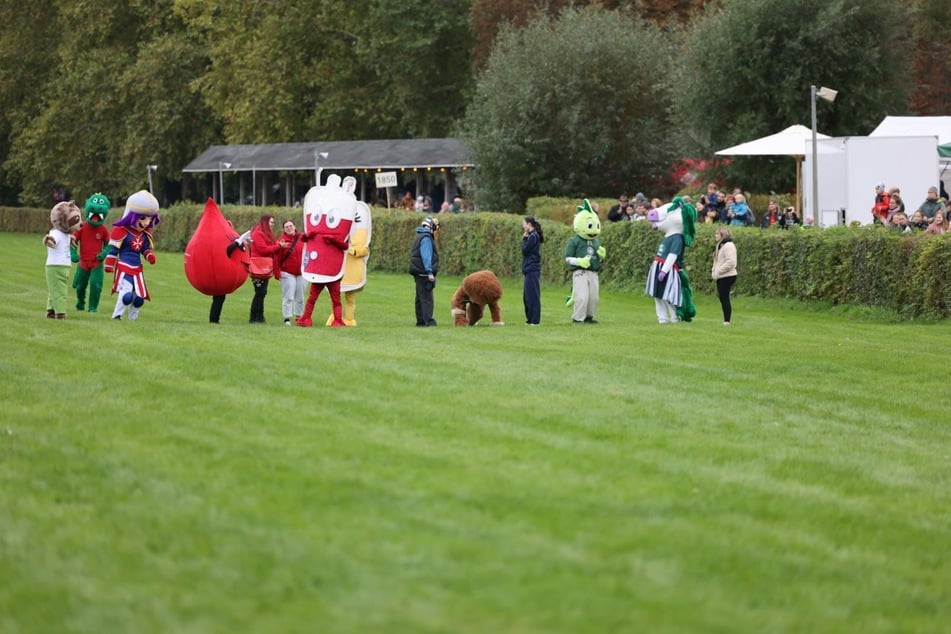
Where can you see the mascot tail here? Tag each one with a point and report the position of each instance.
(687, 310)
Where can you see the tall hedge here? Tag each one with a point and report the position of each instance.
(907, 273)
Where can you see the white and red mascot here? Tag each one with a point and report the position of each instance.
(478, 290)
(216, 261)
(329, 214)
(355, 269)
(130, 242)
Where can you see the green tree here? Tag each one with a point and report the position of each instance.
(27, 73)
(286, 70)
(570, 106)
(116, 99)
(746, 68)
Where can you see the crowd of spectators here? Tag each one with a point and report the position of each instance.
(930, 216)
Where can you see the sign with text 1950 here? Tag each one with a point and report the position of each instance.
(386, 179)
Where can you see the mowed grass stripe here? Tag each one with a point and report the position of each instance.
(788, 473)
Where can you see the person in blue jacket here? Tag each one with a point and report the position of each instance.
(424, 266)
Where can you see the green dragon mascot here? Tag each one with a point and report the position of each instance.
(91, 248)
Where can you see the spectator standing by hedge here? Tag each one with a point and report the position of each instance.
(532, 238)
(724, 270)
(939, 225)
(931, 205)
(740, 210)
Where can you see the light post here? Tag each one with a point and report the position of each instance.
(222, 166)
(828, 95)
(151, 168)
(317, 157)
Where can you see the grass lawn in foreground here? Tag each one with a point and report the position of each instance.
(789, 473)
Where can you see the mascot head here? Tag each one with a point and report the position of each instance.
(677, 216)
(97, 207)
(329, 213)
(587, 224)
(141, 211)
(66, 216)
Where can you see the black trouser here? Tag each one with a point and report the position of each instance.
(424, 301)
(217, 301)
(257, 304)
(724, 284)
(532, 297)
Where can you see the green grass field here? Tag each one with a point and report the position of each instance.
(790, 473)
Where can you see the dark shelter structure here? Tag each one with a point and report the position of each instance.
(281, 173)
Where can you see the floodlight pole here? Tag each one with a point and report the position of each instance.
(222, 166)
(317, 157)
(815, 164)
(150, 169)
(829, 95)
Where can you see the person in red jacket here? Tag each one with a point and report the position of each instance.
(288, 271)
(263, 244)
(880, 208)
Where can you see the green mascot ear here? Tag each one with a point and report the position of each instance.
(585, 206)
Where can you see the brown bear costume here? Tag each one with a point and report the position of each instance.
(478, 290)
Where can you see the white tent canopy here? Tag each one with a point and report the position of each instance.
(915, 126)
(790, 142)
(939, 126)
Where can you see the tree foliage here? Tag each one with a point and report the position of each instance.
(93, 91)
(489, 16)
(114, 100)
(129, 84)
(747, 66)
(333, 69)
(572, 106)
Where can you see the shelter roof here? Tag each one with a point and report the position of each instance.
(341, 155)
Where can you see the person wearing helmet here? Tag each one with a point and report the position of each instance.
(424, 266)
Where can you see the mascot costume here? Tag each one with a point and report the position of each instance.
(477, 291)
(355, 268)
(329, 214)
(65, 218)
(131, 240)
(216, 261)
(584, 255)
(93, 246)
(667, 281)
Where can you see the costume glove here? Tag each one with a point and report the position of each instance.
(73, 254)
(602, 252)
(150, 257)
(584, 262)
(661, 276)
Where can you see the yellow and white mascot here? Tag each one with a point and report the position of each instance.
(355, 266)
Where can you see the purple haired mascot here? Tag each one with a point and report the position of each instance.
(131, 240)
